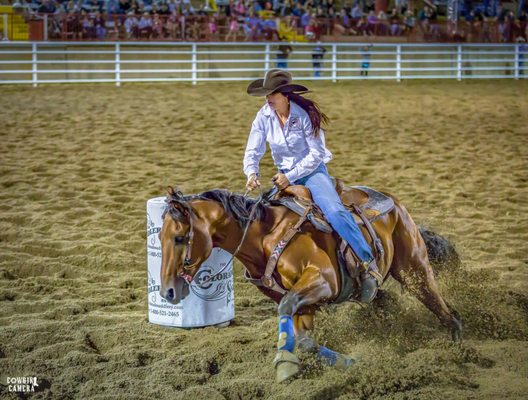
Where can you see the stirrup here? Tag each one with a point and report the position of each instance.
(371, 280)
(369, 289)
(373, 270)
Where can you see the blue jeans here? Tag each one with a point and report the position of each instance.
(326, 197)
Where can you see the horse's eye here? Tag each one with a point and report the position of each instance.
(179, 239)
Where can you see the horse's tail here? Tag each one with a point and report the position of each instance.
(441, 252)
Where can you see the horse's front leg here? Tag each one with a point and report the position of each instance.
(303, 324)
(311, 288)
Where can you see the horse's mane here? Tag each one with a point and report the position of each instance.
(236, 204)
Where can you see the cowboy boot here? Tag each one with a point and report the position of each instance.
(371, 279)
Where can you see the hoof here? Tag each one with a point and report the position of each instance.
(286, 365)
(456, 335)
(344, 362)
(456, 331)
(306, 344)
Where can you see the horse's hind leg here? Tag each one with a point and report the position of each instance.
(411, 268)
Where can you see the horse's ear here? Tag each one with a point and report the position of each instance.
(174, 193)
(170, 191)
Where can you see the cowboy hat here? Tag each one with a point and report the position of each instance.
(275, 80)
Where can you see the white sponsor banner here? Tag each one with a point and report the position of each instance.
(209, 302)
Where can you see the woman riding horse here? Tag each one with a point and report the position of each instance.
(291, 124)
(308, 268)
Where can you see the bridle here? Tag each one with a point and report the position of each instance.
(188, 240)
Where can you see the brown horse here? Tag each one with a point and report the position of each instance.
(308, 268)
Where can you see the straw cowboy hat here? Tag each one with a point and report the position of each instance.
(274, 80)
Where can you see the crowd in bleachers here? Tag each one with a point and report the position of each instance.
(254, 20)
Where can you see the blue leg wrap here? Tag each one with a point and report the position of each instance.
(327, 355)
(286, 336)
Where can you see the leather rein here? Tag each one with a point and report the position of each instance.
(266, 280)
(188, 241)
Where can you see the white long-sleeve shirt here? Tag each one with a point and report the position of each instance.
(293, 148)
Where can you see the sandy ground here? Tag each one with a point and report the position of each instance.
(79, 162)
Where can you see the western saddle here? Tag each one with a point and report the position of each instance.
(365, 204)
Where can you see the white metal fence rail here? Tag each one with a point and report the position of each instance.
(61, 62)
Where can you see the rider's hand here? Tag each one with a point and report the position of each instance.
(280, 181)
(253, 182)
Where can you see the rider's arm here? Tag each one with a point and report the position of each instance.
(256, 146)
(314, 157)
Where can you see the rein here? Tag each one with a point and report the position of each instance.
(187, 261)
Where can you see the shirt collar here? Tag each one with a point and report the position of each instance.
(295, 110)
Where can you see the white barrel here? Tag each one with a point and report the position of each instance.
(208, 302)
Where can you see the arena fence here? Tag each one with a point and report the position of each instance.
(60, 62)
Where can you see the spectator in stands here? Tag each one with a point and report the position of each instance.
(485, 28)
(73, 25)
(145, 26)
(212, 26)
(305, 19)
(252, 27)
(401, 6)
(269, 29)
(187, 8)
(287, 8)
(297, 10)
(395, 27)
(381, 26)
(233, 29)
(174, 6)
(363, 27)
(47, 7)
(409, 22)
(372, 19)
(432, 23)
(310, 30)
(172, 27)
(256, 7)
(342, 23)
(88, 29)
(471, 25)
(193, 30)
(157, 26)
(356, 12)
(505, 20)
(94, 5)
(131, 26)
(240, 8)
(124, 6)
(100, 25)
(112, 6)
(164, 10)
(521, 25)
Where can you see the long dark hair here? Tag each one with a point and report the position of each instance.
(317, 117)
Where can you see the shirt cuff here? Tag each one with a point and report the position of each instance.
(252, 171)
(292, 175)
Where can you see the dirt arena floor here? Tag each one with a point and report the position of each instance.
(79, 162)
